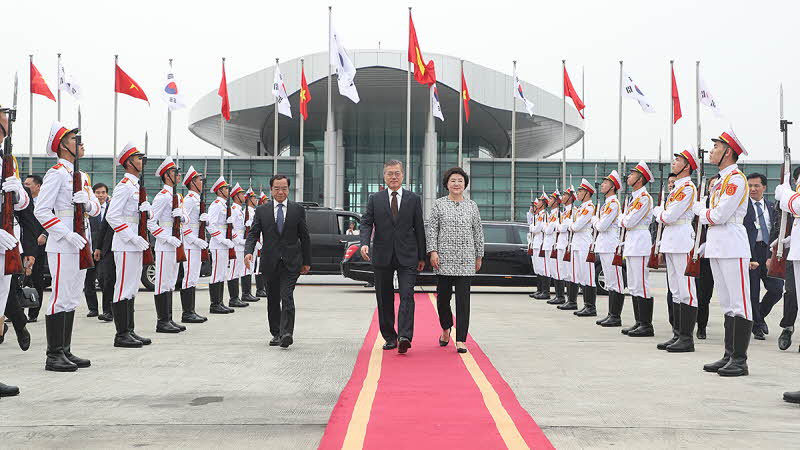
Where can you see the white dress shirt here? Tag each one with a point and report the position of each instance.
(275, 210)
(759, 236)
(399, 198)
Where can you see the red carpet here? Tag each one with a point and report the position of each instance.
(432, 397)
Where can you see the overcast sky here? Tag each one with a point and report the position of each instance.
(746, 50)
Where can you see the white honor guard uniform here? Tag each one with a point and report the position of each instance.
(55, 209)
(562, 240)
(192, 244)
(549, 243)
(607, 238)
(236, 267)
(251, 213)
(123, 218)
(677, 236)
(9, 241)
(217, 227)
(160, 225)
(537, 231)
(638, 242)
(790, 201)
(582, 271)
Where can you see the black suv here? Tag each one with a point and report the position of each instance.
(329, 235)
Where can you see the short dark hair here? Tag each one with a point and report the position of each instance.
(279, 177)
(759, 176)
(98, 186)
(393, 162)
(455, 171)
(796, 173)
(36, 179)
(672, 175)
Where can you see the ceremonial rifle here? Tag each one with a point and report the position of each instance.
(654, 251)
(591, 257)
(13, 260)
(693, 258)
(247, 209)
(229, 230)
(568, 251)
(553, 251)
(623, 232)
(180, 254)
(530, 241)
(777, 265)
(201, 229)
(546, 218)
(147, 254)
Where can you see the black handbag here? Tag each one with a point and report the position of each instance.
(27, 296)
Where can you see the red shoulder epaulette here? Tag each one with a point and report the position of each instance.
(164, 191)
(58, 166)
(124, 180)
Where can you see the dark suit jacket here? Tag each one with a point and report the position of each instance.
(95, 225)
(293, 246)
(404, 237)
(750, 223)
(30, 229)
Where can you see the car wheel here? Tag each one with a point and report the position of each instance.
(149, 277)
(601, 279)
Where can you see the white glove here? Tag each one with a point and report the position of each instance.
(12, 184)
(701, 251)
(619, 220)
(239, 241)
(7, 240)
(595, 219)
(177, 212)
(76, 240)
(173, 241)
(657, 211)
(258, 246)
(204, 217)
(200, 243)
(781, 190)
(787, 241)
(145, 206)
(140, 243)
(227, 243)
(249, 223)
(229, 219)
(698, 208)
(80, 197)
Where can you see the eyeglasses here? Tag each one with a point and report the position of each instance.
(280, 188)
(393, 174)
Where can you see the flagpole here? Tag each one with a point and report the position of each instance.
(114, 149)
(329, 172)
(408, 113)
(583, 94)
(697, 108)
(563, 123)
(619, 136)
(300, 181)
(671, 109)
(222, 131)
(30, 126)
(169, 121)
(513, 142)
(460, 116)
(58, 94)
(275, 135)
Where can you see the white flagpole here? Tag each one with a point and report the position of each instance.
(408, 114)
(222, 131)
(697, 111)
(299, 183)
(460, 116)
(114, 150)
(275, 135)
(671, 110)
(583, 95)
(513, 141)
(169, 121)
(30, 126)
(563, 123)
(619, 136)
(58, 94)
(329, 172)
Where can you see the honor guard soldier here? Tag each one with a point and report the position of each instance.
(676, 244)
(219, 245)
(123, 218)
(193, 245)
(531, 216)
(790, 201)
(605, 244)
(636, 248)
(55, 210)
(251, 201)
(728, 249)
(553, 268)
(539, 268)
(261, 288)
(236, 267)
(582, 271)
(160, 226)
(562, 240)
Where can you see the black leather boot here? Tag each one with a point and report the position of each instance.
(68, 322)
(247, 287)
(685, 342)
(636, 314)
(57, 361)
(123, 338)
(614, 310)
(571, 303)
(215, 290)
(187, 304)
(716, 365)
(10, 391)
(545, 294)
(791, 397)
(737, 365)
(539, 284)
(169, 312)
(676, 328)
(132, 323)
(233, 290)
(589, 302)
(261, 288)
(559, 299)
(608, 314)
(163, 325)
(645, 329)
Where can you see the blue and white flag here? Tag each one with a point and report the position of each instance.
(345, 70)
(68, 84)
(279, 92)
(435, 105)
(170, 93)
(518, 93)
(631, 90)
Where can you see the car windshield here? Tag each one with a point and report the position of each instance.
(495, 234)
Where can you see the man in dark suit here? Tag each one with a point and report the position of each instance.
(285, 255)
(760, 211)
(104, 263)
(92, 274)
(395, 215)
(34, 183)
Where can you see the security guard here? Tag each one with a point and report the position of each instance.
(677, 239)
(728, 250)
(582, 271)
(236, 267)
(605, 245)
(637, 246)
(55, 210)
(123, 218)
(537, 231)
(549, 243)
(219, 246)
(160, 225)
(193, 246)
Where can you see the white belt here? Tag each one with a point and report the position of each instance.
(679, 222)
(130, 219)
(65, 213)
(640, 227)
(738, 220)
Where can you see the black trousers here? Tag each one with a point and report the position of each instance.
(107, 274)
(789, 300)
(280, 300)
(13, 311)
(37, 280)
(774, 286)
(89, 289)
(444, 292)
(384, 293)
(705, 289)
(669, 305)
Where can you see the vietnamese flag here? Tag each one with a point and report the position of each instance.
(465, 95)
(676, 101)
(305, 95)
(223, 92)
(570, 92)
(124, 84)
(423, 73)
(38, 85)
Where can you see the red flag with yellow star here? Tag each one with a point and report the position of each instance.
(423, 73)
(305, 95)
(124, 84)
(465, 96)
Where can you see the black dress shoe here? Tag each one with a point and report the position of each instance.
(236, 303)
(701, 333)
(261, 293)
(390, 345)
(765, 328)
(275, 341)
(177, 325)
(23, 338)
(403, 345)
(3, 336)
(758, 335)
(33, 319)
(92, 314)
(249, 298)
(444, 343)
(791, 397)
(286, 341)
(785, 339)
(461, 349)
(10, 391)
(105, 317)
